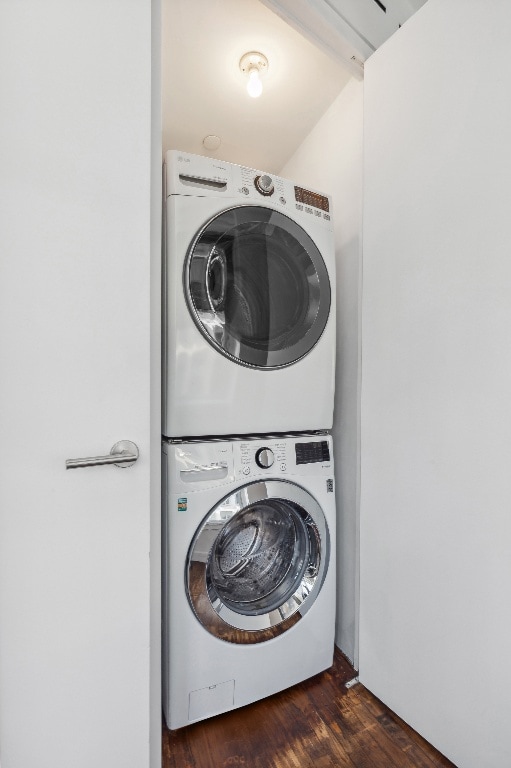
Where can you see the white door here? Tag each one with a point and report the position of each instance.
(75, 357)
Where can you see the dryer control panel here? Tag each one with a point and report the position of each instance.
(188, 174)
(282, 193)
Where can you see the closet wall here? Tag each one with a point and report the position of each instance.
(330, 160)
(436, 415)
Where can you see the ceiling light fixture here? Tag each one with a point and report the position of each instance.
(254, 65)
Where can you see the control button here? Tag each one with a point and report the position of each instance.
(246, 470)
(245, 190)
(299, 207)
(283, 200)
(264, 185)
(283, 467)
(326, 216)
(308, 210)
(264, 458)
(317, 213)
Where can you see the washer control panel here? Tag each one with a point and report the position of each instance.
(257, 457)
(198, 466)
(264, 458)
(273, 457)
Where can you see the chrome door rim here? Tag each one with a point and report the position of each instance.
(311, 581)
(215, 320)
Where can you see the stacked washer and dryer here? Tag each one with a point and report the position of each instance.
(249, 511)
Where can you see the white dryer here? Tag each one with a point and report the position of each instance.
(249, 327)
(249, 571)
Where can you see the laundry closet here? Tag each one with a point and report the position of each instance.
(250, 346)
(417, 123)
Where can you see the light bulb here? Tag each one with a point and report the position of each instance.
(254, 85)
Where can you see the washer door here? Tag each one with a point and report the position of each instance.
(258, 562)
(257, 287)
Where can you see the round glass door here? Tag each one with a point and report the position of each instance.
(257, 287)
(258, 561)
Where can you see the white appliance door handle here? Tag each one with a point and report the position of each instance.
(123, 454)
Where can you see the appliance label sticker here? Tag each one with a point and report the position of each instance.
(182, 505)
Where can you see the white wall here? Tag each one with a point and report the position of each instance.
(330, 160)
(436, 379)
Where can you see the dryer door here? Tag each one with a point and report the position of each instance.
(258, 561)
(257, 287)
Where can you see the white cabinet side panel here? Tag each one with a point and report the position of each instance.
(436, 376)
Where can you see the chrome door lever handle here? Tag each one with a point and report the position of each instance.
(123, 454)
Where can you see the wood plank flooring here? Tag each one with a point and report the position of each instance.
(316, 724)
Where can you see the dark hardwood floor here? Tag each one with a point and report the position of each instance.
(317, 724)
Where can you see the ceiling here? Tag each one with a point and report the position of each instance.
(348, 30)
(313, 48)
(204, 91)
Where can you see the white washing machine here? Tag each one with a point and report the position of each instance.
(249, 327)
(249, 571)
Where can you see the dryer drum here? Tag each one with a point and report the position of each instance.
(257, 287)
(263, 567)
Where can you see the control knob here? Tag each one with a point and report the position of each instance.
(264, 185)
(264, 458)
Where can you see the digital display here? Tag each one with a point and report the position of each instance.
(310, 453)
(307, 197)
